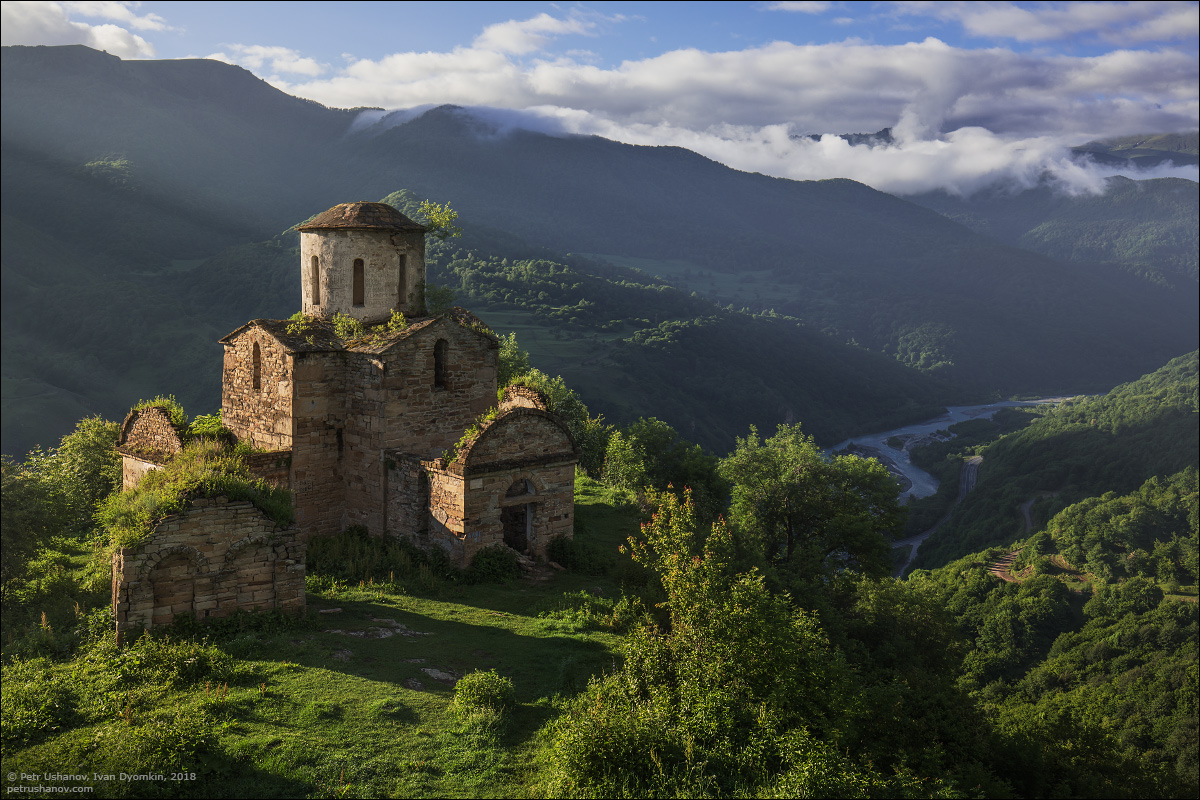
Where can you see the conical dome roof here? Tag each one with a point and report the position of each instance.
(361, 216)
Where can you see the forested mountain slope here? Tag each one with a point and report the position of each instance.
(124, 182)
(1146, 227)
(1085, 448)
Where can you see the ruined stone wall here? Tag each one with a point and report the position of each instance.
(134, 468)
(149, 432)
(425, 418)
(407, 508)
(446, 510)
(551, 507)
(319, 443)
(520, 435)
(262, 415)
(218, 557)
(523, 397)
(274, 467)
(384, 253)
(146, 441)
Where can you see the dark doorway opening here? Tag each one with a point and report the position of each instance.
(515, 520)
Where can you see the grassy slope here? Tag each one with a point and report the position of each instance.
(337, 716)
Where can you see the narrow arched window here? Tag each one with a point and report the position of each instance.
(315, 280)
(360, 283)
(439, 364)
(256, 368)
(402, 288)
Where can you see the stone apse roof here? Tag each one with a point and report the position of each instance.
(361, 217)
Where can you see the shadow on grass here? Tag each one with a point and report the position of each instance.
(427, 646)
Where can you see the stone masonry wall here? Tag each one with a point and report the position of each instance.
(423, 418)
(393, 405)
(519, 435)
(134, 468)
(382, 253)
(363, 442)
(407, 510)
(274, 467)
(147, 440)
(149, 432)
(218, 557)
(262, 416)
(446, 511)
(319, 444)
(523, 397)
(552, 505)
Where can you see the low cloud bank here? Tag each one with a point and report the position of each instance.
(961, 162)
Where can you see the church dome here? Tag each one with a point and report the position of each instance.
(361, 216)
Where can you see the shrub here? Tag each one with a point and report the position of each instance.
(484, 691)
(347, 327)
(210, 425)
(179, 417)
(161, 660)
(396, 322)
(178, 740)
(495, 564)
(355, 556)
(300, 323)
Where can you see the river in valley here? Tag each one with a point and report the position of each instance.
(921, 483)
(914, 481)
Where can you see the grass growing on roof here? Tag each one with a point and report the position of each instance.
(204, 468)
(179, 417)
(452, 453)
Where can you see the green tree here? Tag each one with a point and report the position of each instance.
(439, 219)
(590, 433)
(55, 492)
(715, 701)
(650, 453)
(816, 514)
(438, 299)
(513, 360)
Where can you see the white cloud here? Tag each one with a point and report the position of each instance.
(922, 88)
(119, 12)
(1123, 23)
(813, 7)
(526, 36)
(274, 59)
(37, 23)
(962, 119)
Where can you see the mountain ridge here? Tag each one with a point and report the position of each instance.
(200, 156)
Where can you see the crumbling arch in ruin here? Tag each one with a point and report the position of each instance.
(172, 584)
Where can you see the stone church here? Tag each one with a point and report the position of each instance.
(369, 431)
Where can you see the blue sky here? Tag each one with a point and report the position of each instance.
(976, 92)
